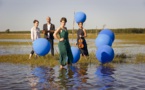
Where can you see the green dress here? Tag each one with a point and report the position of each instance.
(66, 56)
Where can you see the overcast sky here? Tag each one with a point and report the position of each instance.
(19, 14)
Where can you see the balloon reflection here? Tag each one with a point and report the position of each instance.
(104, 77)
(41, 78)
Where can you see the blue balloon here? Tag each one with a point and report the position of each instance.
(103, 39)
(76, 54)
(80, 17)
(105, 54)
(41, 46)
(109, 33)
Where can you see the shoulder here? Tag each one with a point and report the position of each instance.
(45, 24)
(38, 28)
(52, 24)
(84, 29)
(32, 28)
(65, 28)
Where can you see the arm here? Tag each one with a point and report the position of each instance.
(44, 29)
(32, 34)
(85, 34)
(53, 29)
(55, 34)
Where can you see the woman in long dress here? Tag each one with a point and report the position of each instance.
(81, 42)
(63, 45)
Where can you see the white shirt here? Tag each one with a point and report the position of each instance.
(35, 33)
(48, 27)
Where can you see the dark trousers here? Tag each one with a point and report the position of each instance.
(51, 44)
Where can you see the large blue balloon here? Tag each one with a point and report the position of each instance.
(76, 54)
(103, 39)
(41, 46)
(105, 54)
(80, 17)
(109, 33)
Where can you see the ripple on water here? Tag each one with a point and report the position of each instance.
(83, 76)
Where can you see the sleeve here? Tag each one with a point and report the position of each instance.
(44, 28)
(53, 27)
(32, 34)
(39, 33)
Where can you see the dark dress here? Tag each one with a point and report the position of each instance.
(66, 56)
(84, 50)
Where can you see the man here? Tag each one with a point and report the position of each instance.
(48, 30)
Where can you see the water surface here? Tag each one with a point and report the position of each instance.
(79, 77)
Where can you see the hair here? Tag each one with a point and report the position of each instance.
(49, 18)
(63, 19)
(80, 22)
(35, 21)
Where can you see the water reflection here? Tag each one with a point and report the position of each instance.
(42, 78)
(104, 77)
(80, 77)
(73, 78)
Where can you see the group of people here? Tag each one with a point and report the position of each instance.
(50, 34)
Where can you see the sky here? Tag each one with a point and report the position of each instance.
(18, 15)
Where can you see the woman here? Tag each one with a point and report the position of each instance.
(63, 45)
(35, 34)
(81, 42)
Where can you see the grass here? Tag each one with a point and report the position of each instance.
(126, 38)
(122, 36)
(15, 43)
(51, 61)
(130, 37)
(23, 59)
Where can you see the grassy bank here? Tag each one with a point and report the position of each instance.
(53, 61)
(126, 38)
(123, 36)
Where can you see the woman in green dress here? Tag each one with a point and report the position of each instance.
(66, 56)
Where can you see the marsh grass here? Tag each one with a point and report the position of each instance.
(47, 60)
(131, 37)
(52, 61)
(140, 58)
(15, 43)
(122, 36)
(18, 43)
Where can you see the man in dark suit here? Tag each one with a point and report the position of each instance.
(48, 30)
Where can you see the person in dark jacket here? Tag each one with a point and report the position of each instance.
(48, 30)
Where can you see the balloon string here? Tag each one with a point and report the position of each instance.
(73, 26)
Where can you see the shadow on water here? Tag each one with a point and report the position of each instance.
(105, 80)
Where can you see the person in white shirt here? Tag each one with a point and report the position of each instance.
(35, 34)
(48, 30)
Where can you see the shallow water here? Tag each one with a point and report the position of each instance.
(80, 77)
(128, 49)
